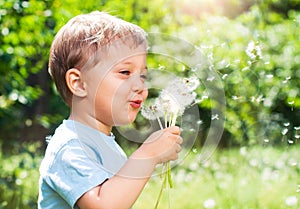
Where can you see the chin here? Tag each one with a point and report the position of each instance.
(125, 121)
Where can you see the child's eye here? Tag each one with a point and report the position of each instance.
(125, 72)
(143, 76)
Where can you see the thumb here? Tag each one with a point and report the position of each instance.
(173, 130)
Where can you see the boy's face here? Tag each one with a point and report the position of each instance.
(119, 89)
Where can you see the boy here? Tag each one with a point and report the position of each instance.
(98, 63)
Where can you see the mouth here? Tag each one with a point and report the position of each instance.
(136, 103)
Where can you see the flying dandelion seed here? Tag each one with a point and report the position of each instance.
(235, 97)
(215, 117)
(224, 76)
(291, 103)
(199, 122)
(284, 131)
(161, 67)
(210, 78)
(286, 79)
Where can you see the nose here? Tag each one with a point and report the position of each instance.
(138, 85)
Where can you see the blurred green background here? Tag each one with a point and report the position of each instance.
(254, 47)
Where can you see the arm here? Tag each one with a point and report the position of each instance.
(122, 190)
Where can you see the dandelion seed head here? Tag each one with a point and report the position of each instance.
(291, 201)
(151, 112)
(191, 83)
(168, 103)
(243, 151)
(173, 99)
(19, 181)
(178, 95)
(209, 203)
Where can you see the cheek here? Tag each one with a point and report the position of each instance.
(145, 94)
(110, 105)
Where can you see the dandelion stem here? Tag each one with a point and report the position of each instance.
(173, 120)
(169, 175)
(169, 197)
(161, 190)
(159, 122)
(166, 120)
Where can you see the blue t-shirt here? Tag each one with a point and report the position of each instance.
(77, 159)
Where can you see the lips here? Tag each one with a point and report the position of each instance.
(136, 103)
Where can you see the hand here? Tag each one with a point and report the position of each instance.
(163, 145)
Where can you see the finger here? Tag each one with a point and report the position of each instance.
(174, 130)
(179, 140)
(178, 149)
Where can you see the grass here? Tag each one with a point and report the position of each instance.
(253, 178)
(245, 178)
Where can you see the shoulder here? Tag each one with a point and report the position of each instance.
(65, 146)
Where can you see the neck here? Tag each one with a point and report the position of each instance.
(92, 122)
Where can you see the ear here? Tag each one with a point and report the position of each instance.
(75, 83)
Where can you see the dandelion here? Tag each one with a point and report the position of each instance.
(243, 151)
(253, 51)
(170, 104)
(291, 201)
(152, 112)
(209, 203)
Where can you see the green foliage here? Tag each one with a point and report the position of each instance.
(259, 67)
(24, 37)
(18, 178)
(262, 91)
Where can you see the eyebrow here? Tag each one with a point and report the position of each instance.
(131, 63)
